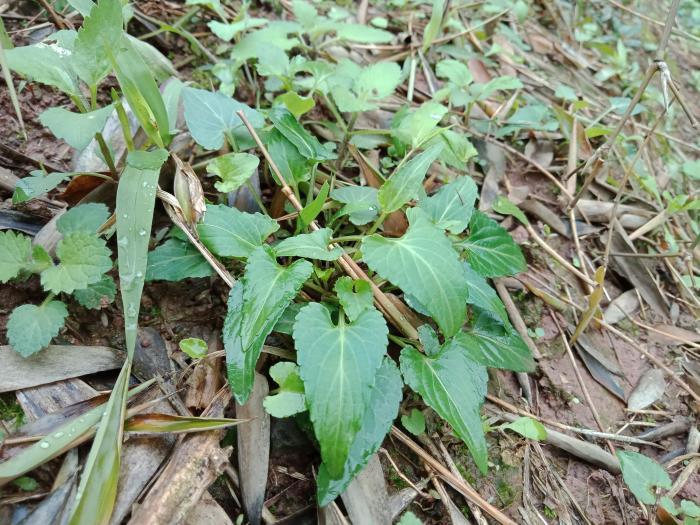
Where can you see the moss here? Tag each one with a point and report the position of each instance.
(10, 411)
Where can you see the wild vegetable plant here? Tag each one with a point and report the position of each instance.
(379, 285)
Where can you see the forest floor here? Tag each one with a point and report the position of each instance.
(580, 64)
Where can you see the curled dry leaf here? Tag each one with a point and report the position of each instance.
(188, 192)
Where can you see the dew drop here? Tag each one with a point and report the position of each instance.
(142, 232)
(44, 444)
(58, 434)
(139, 275)
(81, 420)
(131, 311)
(126, 216)
(123, 241)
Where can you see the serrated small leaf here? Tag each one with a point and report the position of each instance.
(15, 254)
(83, 257)
(492, 344)
(307, 145)
(31, 328)
(49, 64)
(452, 206)
(642, 475)
(97, 295)
(423, 264)
(100, 33)
(377, 81)
(380, 413)
(255, 305)
(312, 245)
(175, 260)
(409, 519)
(337, 401)
(491, 251)
(455, 387)
(210, 116)
(405, 184)
(295, 103)
(77, 129)
(85, 218)
(483, 296)
(420, 124)
(455, 71)
(355, 296)
(528, 427)
(37, 184)
(229, 232)
(361, 203)
(290, 398)
(234, 169)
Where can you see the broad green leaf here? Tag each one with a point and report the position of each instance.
(455, 71)
(377, 81)
(100, 33)
(49, 64)
(381, 411)
(505, 207)
(414, 422)
(355, 296)
(296, 104)
(228, 31)
(82, 6)
(36, 185)
(229, 232)
(275, 34)
(491, 344)
(432, 30)
(363, 34)
(338, 365)
(457, 149)
(285, 324)
(161, 67)
(175, 260)
(407, 182)
(490, 249)
(272, 62)
(455, 387)
(31, 328)
(255, 305)
(420, 124)
(690, 509)
(314, 208)
(194, 347)
(77, 129)
(212, 116)
(312, 245)
(307, 145)
(136, 195)
(361, 203)
(85, 218)
(234, 169)
(97, 295)
(142, 93)
(83, 257)
(642, 475)
(15, 254)
(423, 264)
(291, 163)
(409, 519)
(528, 427)
(483, 296)
(160, 423)
(429, 339)
(452, 206)
(289, 398)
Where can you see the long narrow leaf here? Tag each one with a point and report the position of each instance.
(157, 423)
(135, 201)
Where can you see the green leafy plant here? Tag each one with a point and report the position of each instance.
(321, 274)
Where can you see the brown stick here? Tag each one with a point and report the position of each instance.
(459, 485)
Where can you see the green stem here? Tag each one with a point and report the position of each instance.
(348, 238)
(342, 151)
(123, 121)
(256, 196)
(106, 154)
(47, 300)
(377, 223)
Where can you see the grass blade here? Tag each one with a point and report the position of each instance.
(135, 201)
